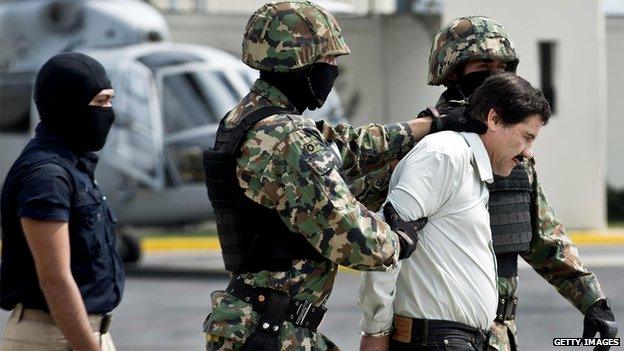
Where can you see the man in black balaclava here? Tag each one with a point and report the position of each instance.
(68, 94)
(61, 274)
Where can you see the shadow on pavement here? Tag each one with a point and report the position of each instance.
(164, 272)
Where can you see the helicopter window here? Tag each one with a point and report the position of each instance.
(195, 98)
(249, 76)
(228, 84)
(136, 85)
(136, 91)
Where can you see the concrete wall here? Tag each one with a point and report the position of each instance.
(615, 101)
(384, 79)
(571, 150)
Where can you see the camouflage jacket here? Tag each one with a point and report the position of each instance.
(288, 164)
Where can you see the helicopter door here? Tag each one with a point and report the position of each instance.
(136, 141)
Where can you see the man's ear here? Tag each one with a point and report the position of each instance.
(494, 121)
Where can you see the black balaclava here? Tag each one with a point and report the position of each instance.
(464, 86)
(307, 88)
(64, 87)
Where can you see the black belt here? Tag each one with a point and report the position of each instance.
(299, 312)
(506, 310)
(427, 332)
(99, 322)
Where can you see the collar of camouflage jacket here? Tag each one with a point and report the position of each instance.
(271, 93)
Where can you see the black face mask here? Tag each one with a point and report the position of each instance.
(93, 128)
(65, 86)
(321, 79)
(305, 89)
(468, 83)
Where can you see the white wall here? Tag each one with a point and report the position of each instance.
(571, 150)
(615, 101)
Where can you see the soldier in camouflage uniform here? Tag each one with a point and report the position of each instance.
(277, 181)
(464, 52)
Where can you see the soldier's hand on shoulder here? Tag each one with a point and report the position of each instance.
(407, 231)
(600, 319)
(455, 118)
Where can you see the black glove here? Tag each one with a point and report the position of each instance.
(599, 318)
(406, 231)
(453, 118)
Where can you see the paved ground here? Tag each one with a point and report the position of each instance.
(167, 298)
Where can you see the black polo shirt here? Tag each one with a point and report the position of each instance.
(50, 182)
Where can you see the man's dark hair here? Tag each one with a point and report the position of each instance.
(511, 96)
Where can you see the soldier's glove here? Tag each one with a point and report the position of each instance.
(599, 319)
(453, 118)
(406, 231)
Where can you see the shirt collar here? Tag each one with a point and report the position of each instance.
(86, 162)
(271, 93)
(479, 156)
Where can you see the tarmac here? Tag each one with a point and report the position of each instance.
(167, 296)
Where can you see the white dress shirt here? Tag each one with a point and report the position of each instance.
(452, 274)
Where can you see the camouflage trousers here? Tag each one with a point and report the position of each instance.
(503, 336)
(232, 322)
(292, 342)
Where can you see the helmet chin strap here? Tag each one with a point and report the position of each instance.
(457, 87)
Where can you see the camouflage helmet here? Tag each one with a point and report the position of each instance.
(469, 38)
(289, 35)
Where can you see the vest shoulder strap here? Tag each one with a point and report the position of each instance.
(232, 137)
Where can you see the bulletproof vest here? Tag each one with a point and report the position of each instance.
(252, 237)
(510, 218)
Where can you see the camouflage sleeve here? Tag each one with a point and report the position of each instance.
(369, 147)
(372, 188)
(554, 256)
(299, 178)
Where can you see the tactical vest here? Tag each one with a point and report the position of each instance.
(510, 218)
(252, 237)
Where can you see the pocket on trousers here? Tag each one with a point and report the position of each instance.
(454, 343)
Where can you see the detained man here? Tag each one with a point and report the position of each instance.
(444, 295)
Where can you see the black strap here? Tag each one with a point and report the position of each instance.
(506, 310)
(299, 312)
(234, 135)
(507, 264)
